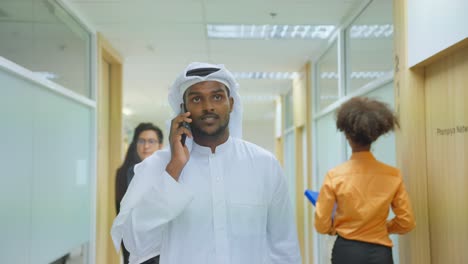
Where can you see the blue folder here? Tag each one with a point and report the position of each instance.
(312, 196)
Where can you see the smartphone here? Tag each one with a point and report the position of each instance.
(184, 124)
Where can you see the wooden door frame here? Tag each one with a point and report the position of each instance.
(105, 189)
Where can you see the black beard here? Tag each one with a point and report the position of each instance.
(197, 132)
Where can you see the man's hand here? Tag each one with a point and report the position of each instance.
(179, 153)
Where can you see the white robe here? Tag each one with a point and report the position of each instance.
(228, 207)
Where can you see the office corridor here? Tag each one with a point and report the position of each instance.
(77, 77)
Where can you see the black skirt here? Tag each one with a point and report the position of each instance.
(347, 251)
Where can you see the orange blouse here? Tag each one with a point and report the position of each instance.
(364, 189)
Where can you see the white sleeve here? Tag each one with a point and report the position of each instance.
(281, 228)
(153, 199)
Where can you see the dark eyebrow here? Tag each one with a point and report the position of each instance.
(193, 93)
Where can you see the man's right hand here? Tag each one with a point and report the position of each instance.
(179, 153)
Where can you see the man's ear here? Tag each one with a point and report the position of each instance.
(231, 102)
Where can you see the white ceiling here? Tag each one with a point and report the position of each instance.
(157, 39)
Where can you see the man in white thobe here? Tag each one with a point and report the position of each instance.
(214, 199)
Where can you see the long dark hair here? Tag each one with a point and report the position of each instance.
(131, 158)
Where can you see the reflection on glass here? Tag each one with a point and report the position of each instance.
(369, 45)
(42, 37)
(327, 81)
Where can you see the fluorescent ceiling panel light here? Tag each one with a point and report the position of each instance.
(266, 75)
(371, 31)
(230, 31)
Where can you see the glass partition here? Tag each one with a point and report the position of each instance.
(289, 147)
(290, 165)
(329, 153)
(47, 157)
(16, 176)
(42, 37)
(369, 45)
(328, 78)
(368, 56)
(288, 110)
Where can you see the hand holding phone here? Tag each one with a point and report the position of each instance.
(180, 154)
(184, 124)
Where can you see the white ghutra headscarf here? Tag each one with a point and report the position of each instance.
(197, 72)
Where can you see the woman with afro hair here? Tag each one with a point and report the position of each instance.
(363, 190)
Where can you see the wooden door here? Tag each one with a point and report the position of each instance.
(447, 157)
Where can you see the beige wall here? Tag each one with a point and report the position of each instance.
(260, 132)
(429, 97)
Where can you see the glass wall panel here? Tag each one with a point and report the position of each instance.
(289, 111)
(289, 147)
(327, 78)
(329, 153)
(46, 155)
(290, 165)
(369, 45)
(61, 194)
(42, 37)
(17, 168)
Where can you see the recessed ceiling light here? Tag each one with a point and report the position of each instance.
(266, 75)
(230, 31)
